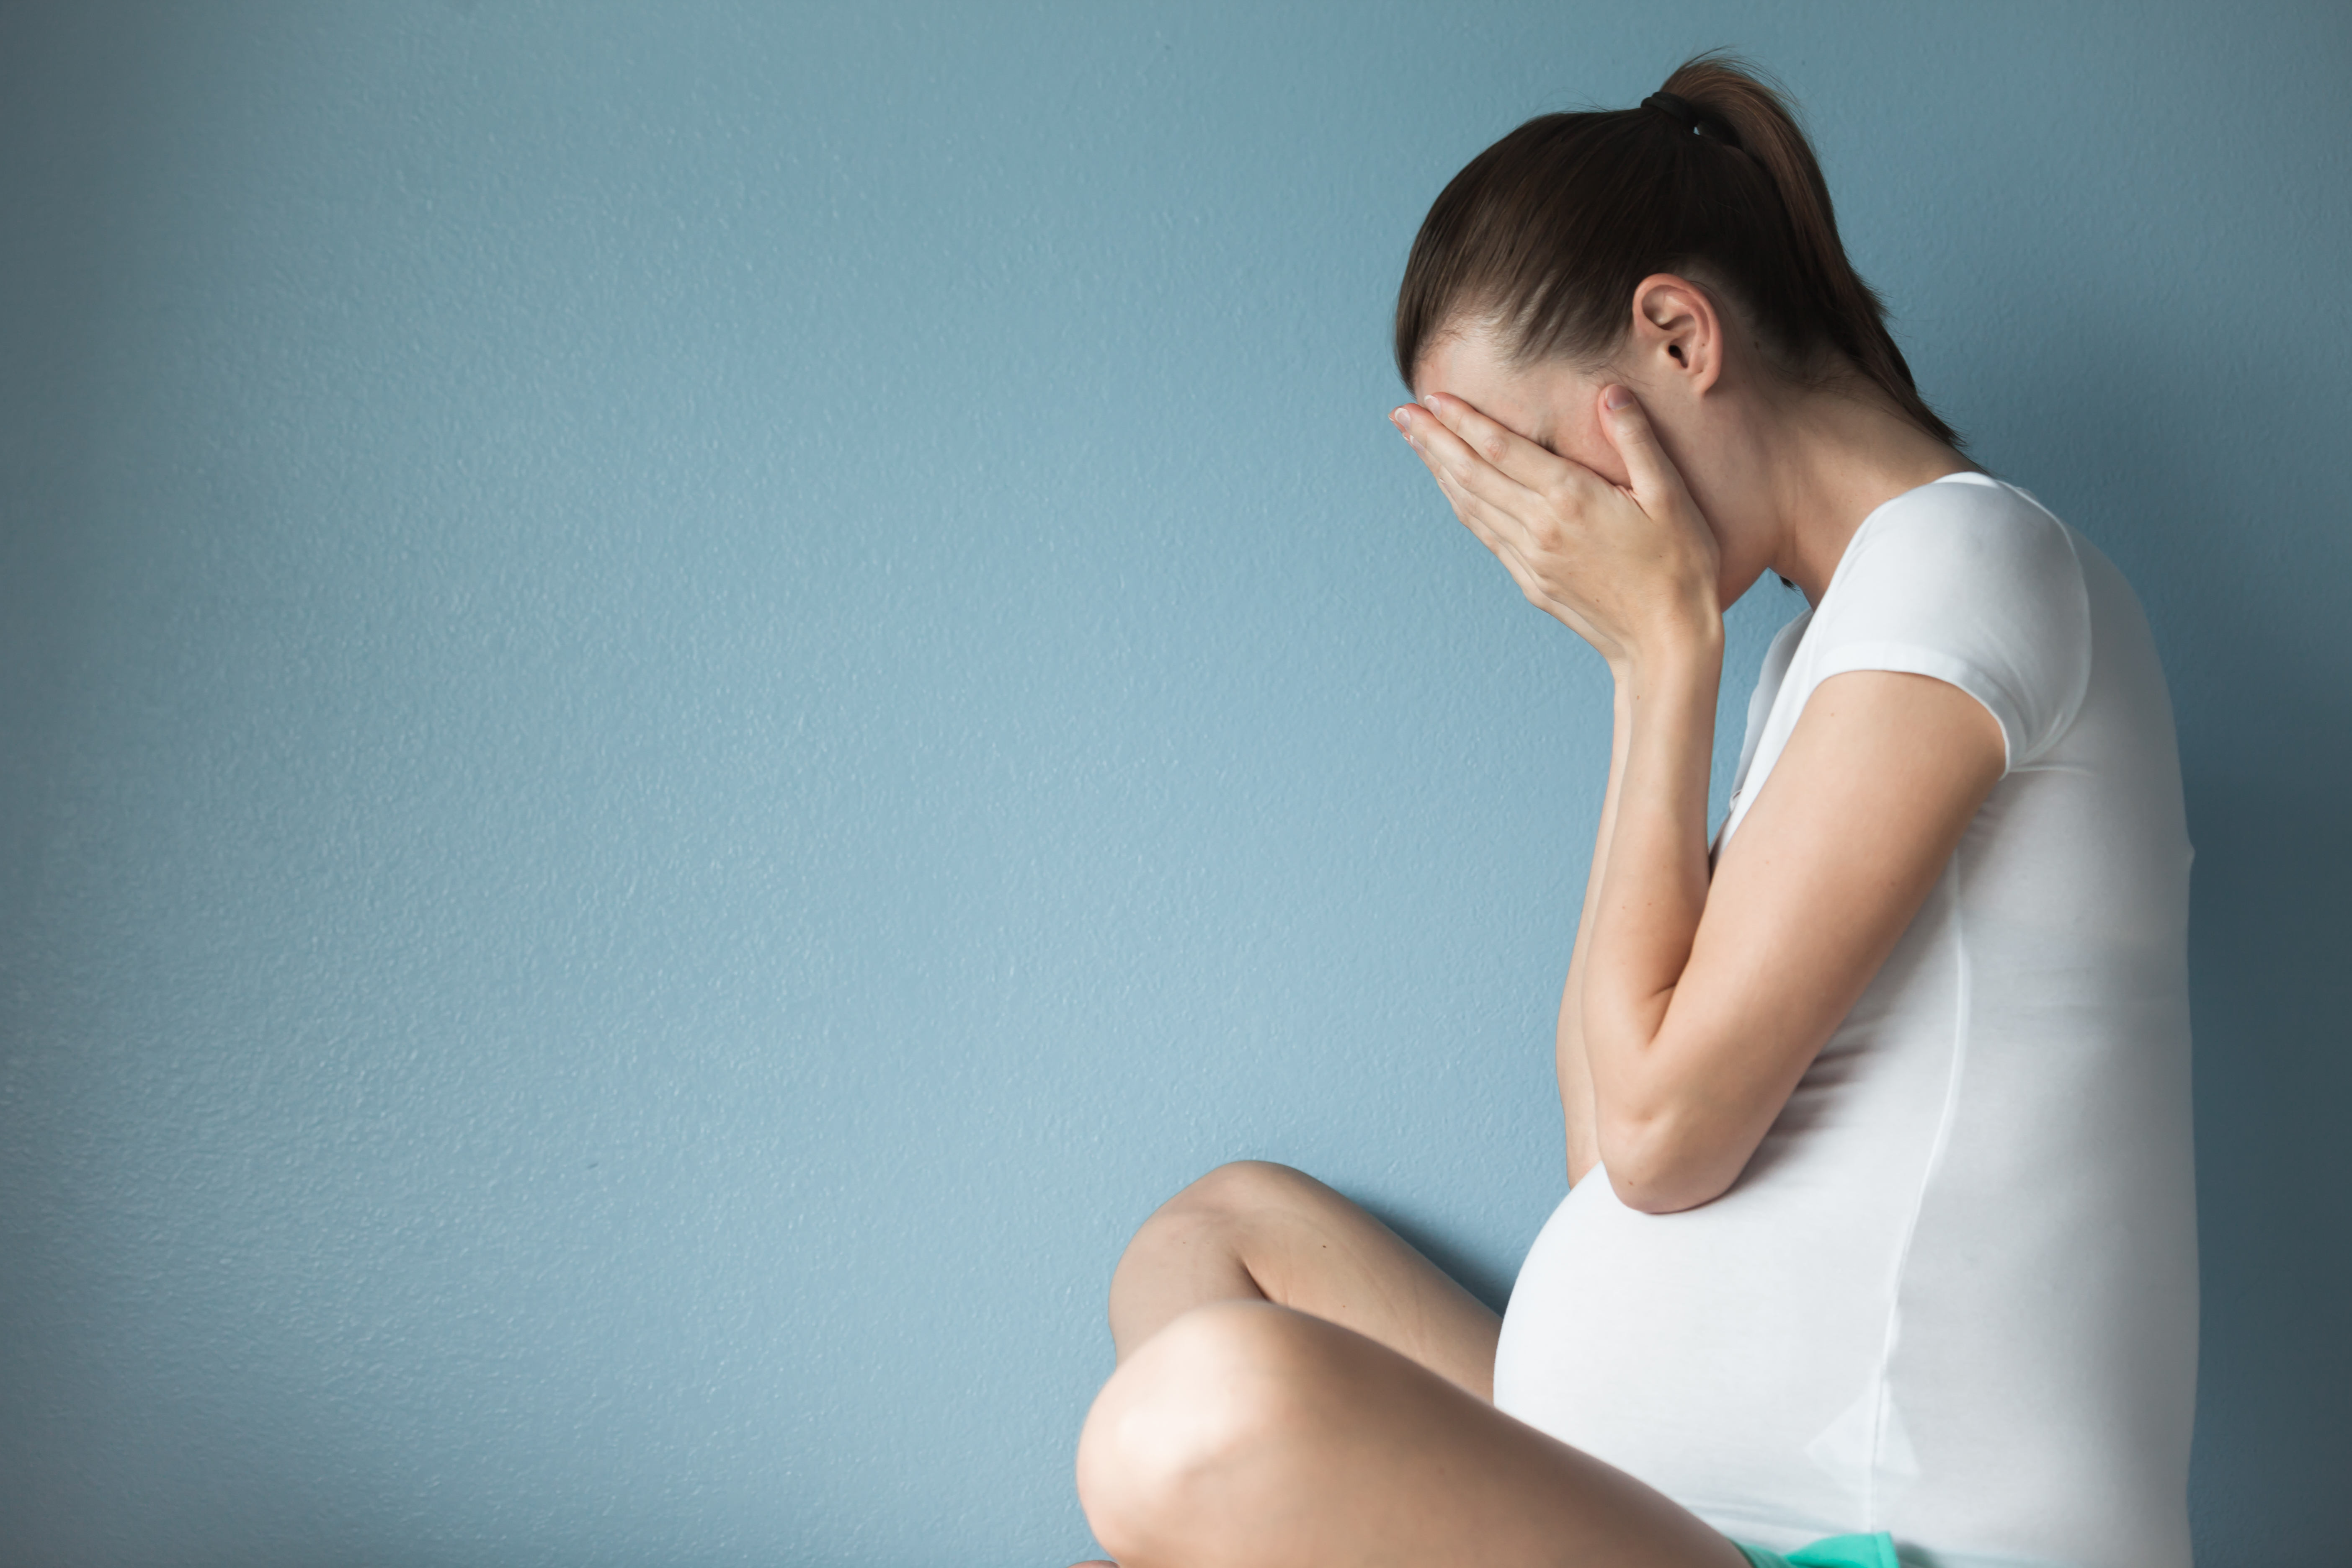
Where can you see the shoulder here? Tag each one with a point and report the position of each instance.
(1970, 580)
(1964, 533)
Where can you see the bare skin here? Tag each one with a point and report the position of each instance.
(1296, 1385)
(1252, 1231)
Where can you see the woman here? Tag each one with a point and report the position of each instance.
(1881, 1224)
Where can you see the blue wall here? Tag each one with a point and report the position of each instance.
(690, 693)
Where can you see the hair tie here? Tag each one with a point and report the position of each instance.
(1687, 115)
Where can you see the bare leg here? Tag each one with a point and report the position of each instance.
(1250, 1436)
(1257, 1232)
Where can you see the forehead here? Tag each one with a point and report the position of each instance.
(1470, 365)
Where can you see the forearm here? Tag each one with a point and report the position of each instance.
(1633, 568)
(1575, 1073)
(1654, 891)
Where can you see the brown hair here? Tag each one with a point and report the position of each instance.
(1548, 232)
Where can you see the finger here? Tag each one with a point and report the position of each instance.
(1495, 529)
(1448, 453)
(1654, 475)
(1498, 530)
(1473, 513)
(1480, 518)
(1476, 514)
(1535, 467)
(1488, 526)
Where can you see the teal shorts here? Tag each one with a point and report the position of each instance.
(1837, 1551)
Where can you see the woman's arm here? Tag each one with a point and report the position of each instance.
(1700, 1005)
(1575, 1074)
(1702, 1009)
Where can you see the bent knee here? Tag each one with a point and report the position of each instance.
(1247, 1184)
(1219, 1206)
(1230, 1196)
(1207, 1243)
(1220, 1390)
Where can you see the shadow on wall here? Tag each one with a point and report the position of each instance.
(1476, 1275)
(2236, 584)
(2273, 991)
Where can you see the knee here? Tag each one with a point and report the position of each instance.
(1224, 1201)
(1217, 1395)
(1244, 1185)
(1196, 1247)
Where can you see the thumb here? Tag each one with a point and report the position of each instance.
(1651, 473)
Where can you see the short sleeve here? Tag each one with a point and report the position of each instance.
(1968, 581)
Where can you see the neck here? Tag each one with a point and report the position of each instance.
(1818, 463)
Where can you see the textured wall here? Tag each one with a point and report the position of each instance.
(690, 693)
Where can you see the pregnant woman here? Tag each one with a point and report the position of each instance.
(1880, 1243)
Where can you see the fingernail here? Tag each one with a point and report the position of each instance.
(1397, 417)
(1617, 397)
(1431, 399)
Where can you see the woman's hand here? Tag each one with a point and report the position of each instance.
(1631, 569)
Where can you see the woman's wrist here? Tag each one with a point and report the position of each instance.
(1688, 648)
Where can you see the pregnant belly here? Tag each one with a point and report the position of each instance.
(1723, 1356)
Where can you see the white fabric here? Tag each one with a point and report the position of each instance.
(1954, 1294)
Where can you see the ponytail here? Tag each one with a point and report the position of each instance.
(1547, 233)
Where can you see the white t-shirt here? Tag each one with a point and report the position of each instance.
(1954, 1294)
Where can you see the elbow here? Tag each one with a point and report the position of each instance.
(1655, 1165)
(1663, 1196)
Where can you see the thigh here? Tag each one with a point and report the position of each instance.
(1253, 1230)
(1248, 1434)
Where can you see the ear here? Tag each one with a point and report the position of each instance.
(1677, 333)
